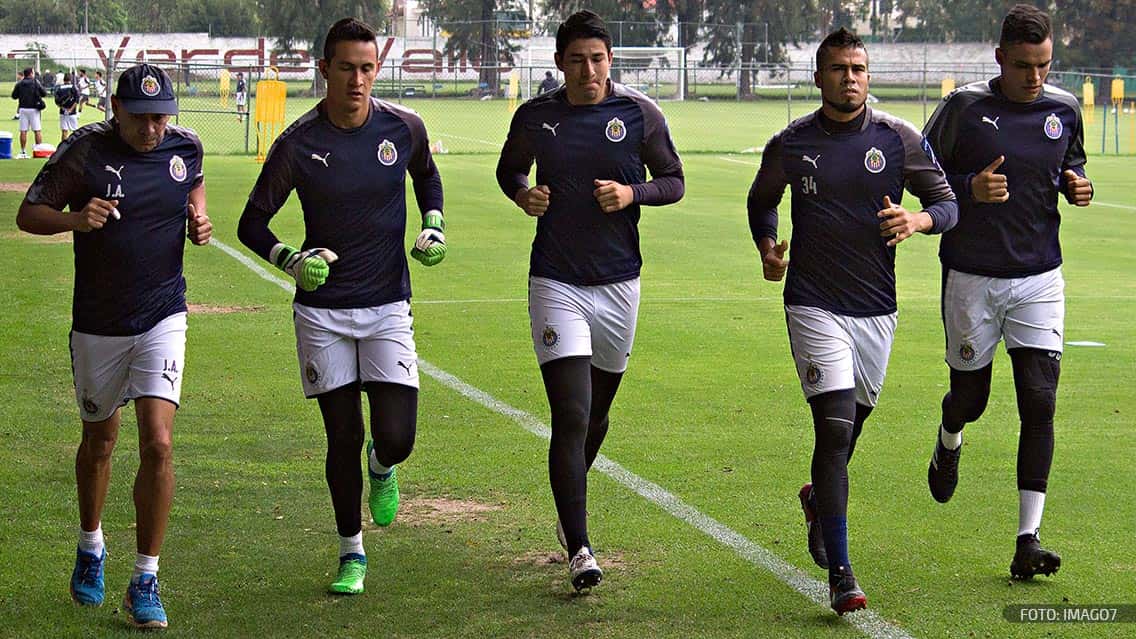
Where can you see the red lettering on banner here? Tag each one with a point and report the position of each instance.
(186, 56)
(258, 52)
(423, 65)
(117, 54)
(384, 52)
(297, 61)
(148, 54)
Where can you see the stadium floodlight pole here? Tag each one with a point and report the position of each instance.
(86, 7)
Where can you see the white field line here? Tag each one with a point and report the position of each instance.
(468, 139)
(867, 621)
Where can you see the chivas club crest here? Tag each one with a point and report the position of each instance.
(177, 169)
(813, 374)
(1053, 127)
(89, 406)
(388, 154)
(874, 160)
(616, 130)
(966, 352)
(549, 337)
(312, 373)
(150, 86)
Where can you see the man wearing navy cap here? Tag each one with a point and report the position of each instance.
(133, 189)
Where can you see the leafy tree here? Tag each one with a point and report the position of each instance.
(220, 18)
(303, 23)
(1097, 33)
(473, 29)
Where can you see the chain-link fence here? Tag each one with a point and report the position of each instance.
(709, 109)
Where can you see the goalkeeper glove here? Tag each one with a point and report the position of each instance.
(309, 268)
(430, 247)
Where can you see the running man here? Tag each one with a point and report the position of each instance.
(347, 159)
(1010, 147)
(847, 166)
(593, 141)
(135, 189)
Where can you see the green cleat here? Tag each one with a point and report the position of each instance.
(352, 572)
(384, 493)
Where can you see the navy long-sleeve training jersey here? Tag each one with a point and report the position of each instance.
(971, 128)
(573, 145)
(837, 259)
(352, 189)
(128, 274)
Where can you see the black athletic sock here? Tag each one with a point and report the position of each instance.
(862, 413)
(604, 387)
(966, 400)
(342, 412)
(568, 384)
(834, 415)
(394, 417)
(1036, 373)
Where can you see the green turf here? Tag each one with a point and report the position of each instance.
(710, 410)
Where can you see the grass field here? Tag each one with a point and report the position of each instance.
(710, 412)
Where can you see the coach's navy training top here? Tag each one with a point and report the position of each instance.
(128, 274)
(352, 189)
(573, 145)
(971, 128)
(839, 175)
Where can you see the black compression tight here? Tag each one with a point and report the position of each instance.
(394, 413)
(579, 396)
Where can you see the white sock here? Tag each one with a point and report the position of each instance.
(144, 564)
(375, 466)
(352, 545)
(92, 541)
(951, 441)
(1031, 504)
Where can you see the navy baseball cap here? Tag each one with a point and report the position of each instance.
(145, 88)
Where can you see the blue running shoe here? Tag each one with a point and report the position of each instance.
(142, 605)
(87, 578)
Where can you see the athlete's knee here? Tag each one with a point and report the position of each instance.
(970, 391)
(98, 443)
(396, 446)
(1036, 373)
(156, 450)
(833, 420)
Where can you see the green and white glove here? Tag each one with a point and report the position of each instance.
(430, 247)
(309, 268)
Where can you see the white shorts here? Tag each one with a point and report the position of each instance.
(112, 370)
(341, 346)
(979, 311)
(584, 321)
(242, 98)
(29, 119)
(69, 122)
(838, 352)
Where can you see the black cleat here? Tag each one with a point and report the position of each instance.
(816, 538)
(1031, 559)
(845, 596)
(943, 471)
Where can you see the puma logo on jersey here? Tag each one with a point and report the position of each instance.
(323, 159)
(550, 127)
(993, 123)
(812, 161)
(406, 366)
(117, 172)
(169, 379)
